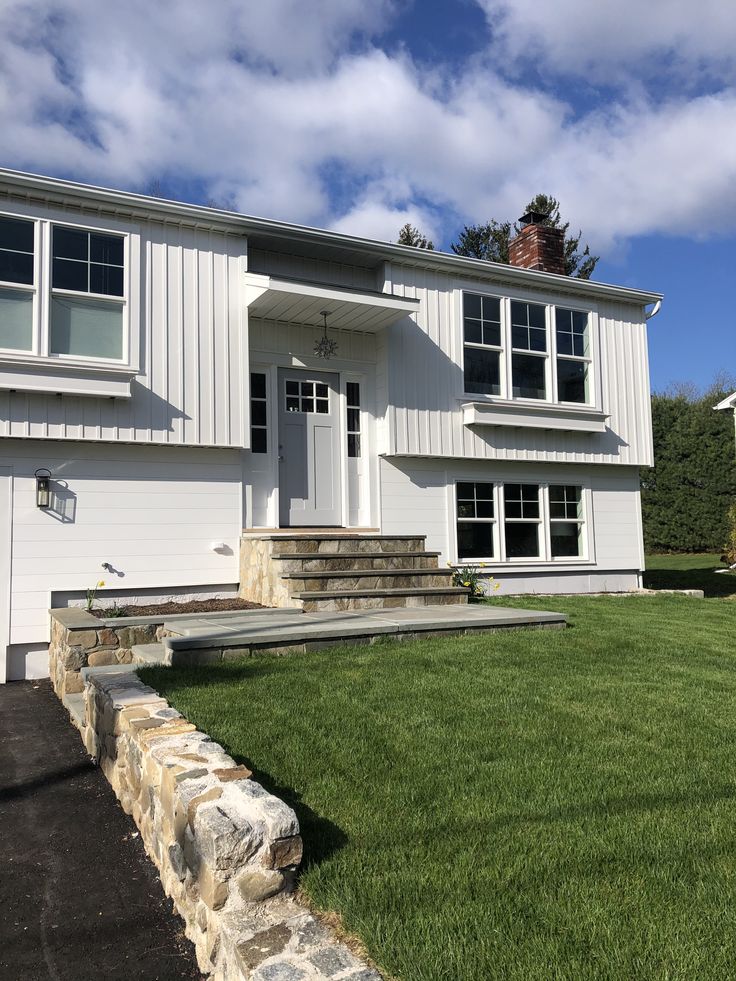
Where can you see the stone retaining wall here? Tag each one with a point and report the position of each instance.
(79, 640)
(226, 850)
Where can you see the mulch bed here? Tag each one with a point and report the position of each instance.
(166, 609)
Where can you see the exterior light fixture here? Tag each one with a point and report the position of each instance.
(325, 347)
(43, 487)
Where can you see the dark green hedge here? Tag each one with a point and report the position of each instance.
(686, 497)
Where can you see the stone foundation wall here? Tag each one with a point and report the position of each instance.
(79, 640)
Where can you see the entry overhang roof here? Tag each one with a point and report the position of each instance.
(293, 301)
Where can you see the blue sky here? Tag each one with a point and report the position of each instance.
(362, 116)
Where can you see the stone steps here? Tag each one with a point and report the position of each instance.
(343, 571)
(146, 655)
(368, 579)
(340, 561)
(76, 707)
(376, 599)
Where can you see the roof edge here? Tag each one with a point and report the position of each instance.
(304, 233)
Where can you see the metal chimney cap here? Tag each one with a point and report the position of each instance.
(533, 218)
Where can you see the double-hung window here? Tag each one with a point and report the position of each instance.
(482, 343)
(475, 520)
(519, 522)
(528, 350)
(514, 349)
(522, 521)
(87, 290)
(572, 334)
(17, 284)
(566, 520)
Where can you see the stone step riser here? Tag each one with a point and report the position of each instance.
(367, 602)
(313, 546)
(314, 563)
(429, 580)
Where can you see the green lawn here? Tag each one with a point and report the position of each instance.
(523, 805)
(689, 571)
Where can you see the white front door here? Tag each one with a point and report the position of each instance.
(5, 525)
(310, 484)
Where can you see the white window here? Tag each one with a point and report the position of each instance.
(572, 334)
(17, 284)
(84, 314)
(522, 521)
(482, 343)
(513, 349)
(519, 522)
(352, 391)
(258, 413)
(307, 396)
(475, 520)
(566, 520)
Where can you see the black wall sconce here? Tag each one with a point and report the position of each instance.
(43, 487)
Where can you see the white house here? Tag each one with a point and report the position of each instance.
(158, 380)
(728, 403)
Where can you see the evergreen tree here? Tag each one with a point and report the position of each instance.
(490, 241)
(687, 495)
(409, 235)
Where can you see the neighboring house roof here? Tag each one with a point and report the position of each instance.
(326, 241)
(727, 403)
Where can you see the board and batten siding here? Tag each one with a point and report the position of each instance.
(193, 361)
(152, 513)
(417, 498)
(421, 381)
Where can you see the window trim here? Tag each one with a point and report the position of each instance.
(544, 522)
(32, 288)
(40, 370)
(506, 351)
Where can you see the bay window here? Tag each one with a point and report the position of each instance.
(538, 522)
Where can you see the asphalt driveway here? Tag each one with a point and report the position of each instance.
(79, 898)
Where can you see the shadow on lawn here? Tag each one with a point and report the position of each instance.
(712, 583)
(321, 837)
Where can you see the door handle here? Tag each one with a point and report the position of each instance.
(281, 459)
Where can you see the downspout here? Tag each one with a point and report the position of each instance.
(648, 314)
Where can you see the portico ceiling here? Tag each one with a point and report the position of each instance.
(295, 302)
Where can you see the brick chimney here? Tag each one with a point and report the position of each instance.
(538, 246)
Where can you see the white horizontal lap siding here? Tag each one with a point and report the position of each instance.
(418, 497)
(414, 501)
(422, 361)
(190, 388)
(152, 512)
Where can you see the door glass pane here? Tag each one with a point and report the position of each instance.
(16, 320)
(257, 385)
(292, 388)
(353, 393)
(522, 540)
(86, 328)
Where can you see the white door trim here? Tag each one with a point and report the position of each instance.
(6, 525)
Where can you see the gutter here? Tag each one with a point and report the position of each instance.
(130, 202)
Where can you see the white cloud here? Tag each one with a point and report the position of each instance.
(603, 40)
(274, 106)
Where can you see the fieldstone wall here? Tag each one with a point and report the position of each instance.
(260, 577)
(226, 850)
(79, 640)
